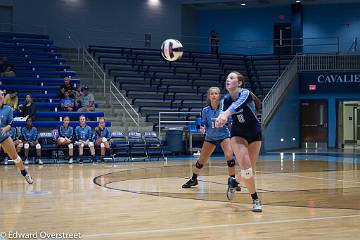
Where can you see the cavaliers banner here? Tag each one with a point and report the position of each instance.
(329, 82)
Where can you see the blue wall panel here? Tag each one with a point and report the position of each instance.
(285, 123)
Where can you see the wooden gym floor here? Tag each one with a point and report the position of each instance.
(302, 199)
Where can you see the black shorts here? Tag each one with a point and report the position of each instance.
(215, 142)
(249, 137)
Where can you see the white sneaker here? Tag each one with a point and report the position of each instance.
(26, 161)
(40, 161)
(6, 161)
(257, 206)
(71, 160)
(28, 178)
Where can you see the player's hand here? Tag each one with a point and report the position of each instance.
(202, 130)
(4, 130)
(220, 121)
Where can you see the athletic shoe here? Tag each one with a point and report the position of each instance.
(71, 160)
(232, 185)
(257, 206)
(28, 178)
(26, 161)
(190, 183)
(40, 161)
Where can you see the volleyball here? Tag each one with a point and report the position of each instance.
(171, 50)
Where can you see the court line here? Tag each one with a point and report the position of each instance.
(168, 230)
(327, 179)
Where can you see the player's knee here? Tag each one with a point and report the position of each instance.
(91, 144)
(198, 165)
(71, 146)
(61, 139)
(247, 173)
(231, 163)
(26, 146)
(102, 145)
(38, 146)
(17, 159)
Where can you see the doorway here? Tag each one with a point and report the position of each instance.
(314, 123)
(349, 130)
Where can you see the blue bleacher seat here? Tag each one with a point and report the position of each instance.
(154, 147)
(32, 80)
(41, 73)
(120, 145)
(40, 95)
(137, 146)
(70, 114)
(55, 124)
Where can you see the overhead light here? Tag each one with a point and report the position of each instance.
(243, 4)
(298, 1)
(154, 3)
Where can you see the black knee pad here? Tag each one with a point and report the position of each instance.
(231, 163)
(198, 165)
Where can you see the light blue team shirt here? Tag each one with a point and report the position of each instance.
(208, 117)
(6, 118)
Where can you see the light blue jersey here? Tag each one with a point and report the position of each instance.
(6, 118)
(208, 117)
(83, 133)
(103, 133)
(29, 135)
(66, 132)
(13, 133)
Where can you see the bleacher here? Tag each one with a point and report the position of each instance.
(40, 70)
(154, 84)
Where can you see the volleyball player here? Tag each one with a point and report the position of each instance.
(245, 134)
(213, 137)
(66, 135)
(7, 144)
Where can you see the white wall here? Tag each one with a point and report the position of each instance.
(110, 22)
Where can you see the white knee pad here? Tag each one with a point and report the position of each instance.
(61, 139)
(21, 145)
(91, 144)
(102, 145)
(38, 146)
(71, 146)
(247, 173)
(26, 146)
(104, 139)
(18, 159)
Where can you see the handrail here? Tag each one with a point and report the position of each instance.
(326, 62)
(92, 63)
(112, 94)
(274, 96)
(177, 121)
